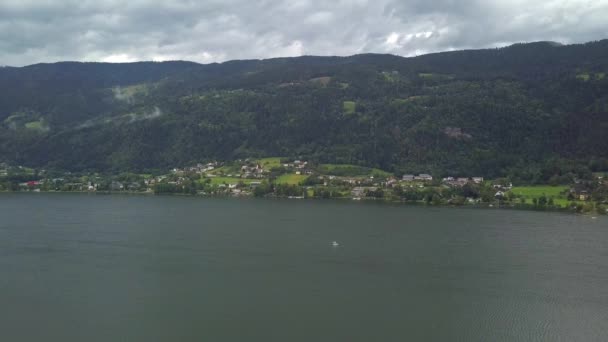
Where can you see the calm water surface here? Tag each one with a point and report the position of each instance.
(121, 268)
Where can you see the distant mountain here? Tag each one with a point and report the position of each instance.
(512, 110)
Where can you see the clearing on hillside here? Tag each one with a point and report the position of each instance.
(290, 178)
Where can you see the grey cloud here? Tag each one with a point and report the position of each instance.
(34, 31)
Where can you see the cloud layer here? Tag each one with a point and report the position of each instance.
(33, 31)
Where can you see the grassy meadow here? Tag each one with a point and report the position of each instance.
(290, 178)
(559, 194)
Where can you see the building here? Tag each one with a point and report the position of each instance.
(116, 186)
(424, 177)
(358, 191)
(580, 192)
(408, 178)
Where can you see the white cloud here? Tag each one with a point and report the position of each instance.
(217, 30)
(119, 58)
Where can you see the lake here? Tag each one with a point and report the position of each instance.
(79, 267)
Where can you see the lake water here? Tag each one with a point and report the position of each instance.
(149, 268)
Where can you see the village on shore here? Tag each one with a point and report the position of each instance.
(299, 179)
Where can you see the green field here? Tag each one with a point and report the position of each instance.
(348, 170)
(537, 191)
(36, 125)
(349, 107)
(583, 77)
(558, 193)
(269, 163)
(290, 178)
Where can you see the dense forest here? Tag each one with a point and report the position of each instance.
(531, 111)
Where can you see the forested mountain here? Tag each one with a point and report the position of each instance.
(531, 110)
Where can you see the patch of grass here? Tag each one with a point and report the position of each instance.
(269, 163)
(226, 169)
(557, 193)
(435, 76)
(409, 99)
(583, 77)
(349, 107)
(290, 178)
(36, 125)
(324, 80)
(537, 191)
(390, 76)
(600, 76)
(562, 202)
(351, 170)
(128, 92)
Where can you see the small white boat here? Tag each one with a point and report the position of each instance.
(335, 244)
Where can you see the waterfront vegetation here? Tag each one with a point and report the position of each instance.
(284, 177)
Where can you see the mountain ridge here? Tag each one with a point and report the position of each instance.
(517, 107)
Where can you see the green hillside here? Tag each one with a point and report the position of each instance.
(532, 111)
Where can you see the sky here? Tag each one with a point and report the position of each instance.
(205, 31)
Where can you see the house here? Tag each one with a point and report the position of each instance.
(424, 177)
(478, 180)
(133, 186)
(116, 186)
(580, 192)
(408, 178)
(358, 191)
(460, 182)
(499, 194)
(503, 187)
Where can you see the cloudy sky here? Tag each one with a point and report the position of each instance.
(33, 31)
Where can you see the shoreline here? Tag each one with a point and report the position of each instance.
(518, 207)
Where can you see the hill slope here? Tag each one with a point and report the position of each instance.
(487, 112)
